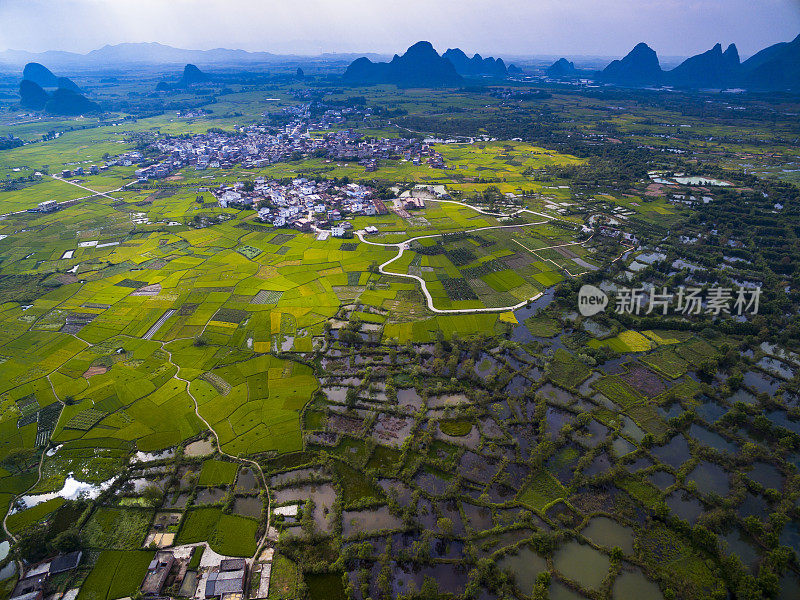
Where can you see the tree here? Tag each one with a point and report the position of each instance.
(307, 518)
(19, 458)
(445, 525)
(32, 544)
(153, 495)
(67, 541)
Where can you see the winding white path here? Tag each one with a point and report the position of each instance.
(403, 246)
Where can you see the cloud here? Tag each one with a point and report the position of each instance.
(569, 27)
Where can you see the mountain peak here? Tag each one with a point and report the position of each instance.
(477, 66)
(640, 66)
(40, 75)
(191, 74)
(732, 54)
(420, 66)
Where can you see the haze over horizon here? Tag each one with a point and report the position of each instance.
(514, 27)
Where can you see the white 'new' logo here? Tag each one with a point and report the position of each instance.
(591, 300)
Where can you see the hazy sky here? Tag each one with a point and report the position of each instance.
(563, 27)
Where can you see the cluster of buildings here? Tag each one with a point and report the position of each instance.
(32, 585)
(260, 146)
(225, 580)
(303, 204)
(222, 579)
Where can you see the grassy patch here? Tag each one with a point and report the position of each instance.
(616, 390)
(116, 575)
(541, 490)
(25, 518)
(455, 427)
(229, 535)
(285, 579)
(667, 362)
(217, 472)
(627, 341)
(116, 528)
(543, 326)
(666, 551)
(566, 370)
(354, 485)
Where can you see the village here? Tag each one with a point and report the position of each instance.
(261, 145)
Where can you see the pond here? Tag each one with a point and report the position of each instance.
(600, 464)
(742, 395)
(294, 476)
(736, 543)
(210, 496)
(493, 543)
(247, 480)
(409, 398)
(396, 489)
(789, 587)
(781, 419)
(776, 367)
(485, 365)
(767, 475)
(592, 435)
(447, 400)
(702, 181)
(556, 419)
(604, 531)
(179, 501)
(478, 467)
(753, 506)
(685, 506)
(711, 439)
(556, 395)
(675, 453)
(710, 411)
(582, 563)
(71, 490)
(517, 386)
(248, 506)
(761, 382)
(558, 591)
(431, 482)
(479, 518)
(790, 536)
(670, 411)
(336, 394)
(524, 566)
(621, 447)
(710, 478)
(368, 521)
(521, 333)
(630, 429)
(11, 568)
(637, 465)
(661, 479)
(450, 578)
(153, 456)
(323, 495)
(634, 585)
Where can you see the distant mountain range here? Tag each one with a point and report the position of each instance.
(152, 53)
(774, 68)
(422, 66)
